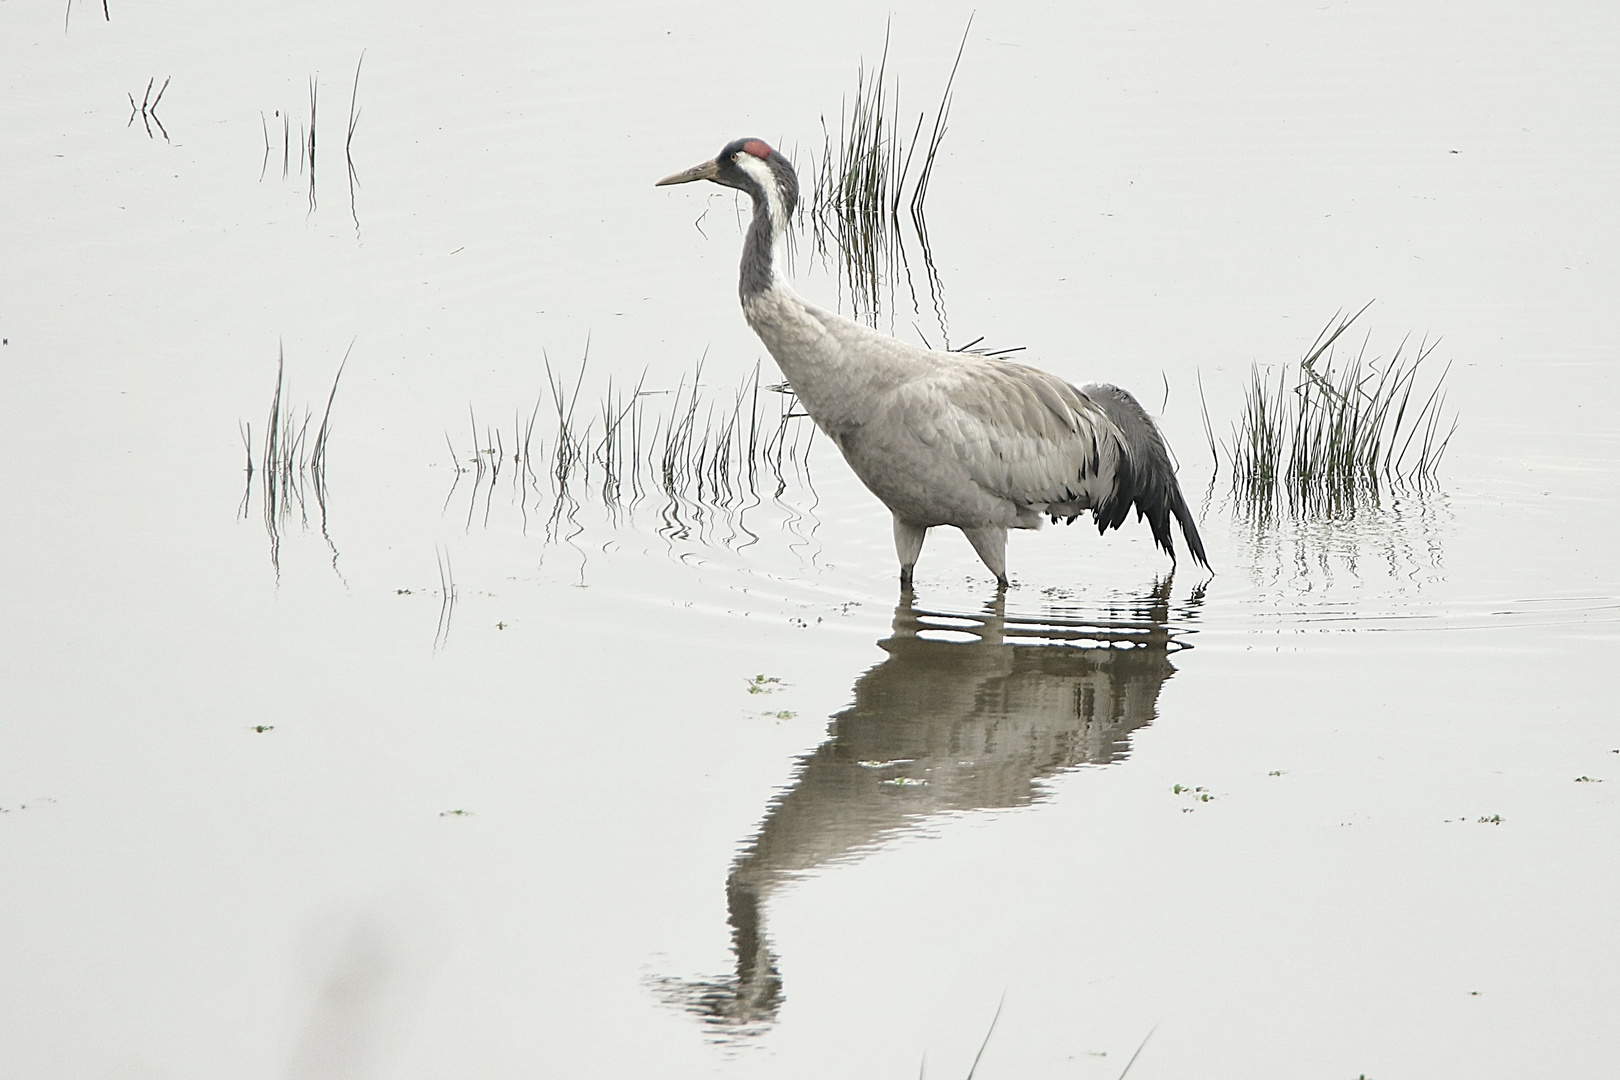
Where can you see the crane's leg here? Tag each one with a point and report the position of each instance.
(991, 544)
(908, 542)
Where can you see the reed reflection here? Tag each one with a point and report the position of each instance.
(967, 712)
(857, 186)
(292, 461)
(703, 460)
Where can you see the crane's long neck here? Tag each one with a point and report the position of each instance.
(833, 382)
(759, 254)
(766, 233)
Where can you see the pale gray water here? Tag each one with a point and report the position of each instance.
(1137, 196)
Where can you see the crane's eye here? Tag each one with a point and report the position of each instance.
(736, 158)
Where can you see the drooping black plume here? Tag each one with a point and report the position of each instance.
(1144, 477)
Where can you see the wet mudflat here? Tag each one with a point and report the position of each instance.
(417, 768)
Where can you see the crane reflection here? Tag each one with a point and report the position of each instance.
(966, 712)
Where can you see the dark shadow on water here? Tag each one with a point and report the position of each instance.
(967, 712)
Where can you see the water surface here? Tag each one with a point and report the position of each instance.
(696, 791)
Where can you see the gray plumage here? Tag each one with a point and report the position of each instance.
(945, 438)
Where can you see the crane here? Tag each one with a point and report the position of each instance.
(945, 438)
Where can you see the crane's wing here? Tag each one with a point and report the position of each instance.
(1019, 432)
(1030, 437)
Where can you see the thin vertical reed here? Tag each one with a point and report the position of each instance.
(705, 455)
(1323, 438)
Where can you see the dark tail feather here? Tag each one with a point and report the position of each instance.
(1144, 478)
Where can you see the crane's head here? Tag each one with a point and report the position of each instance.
(751, 166)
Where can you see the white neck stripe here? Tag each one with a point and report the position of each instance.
(766, 179)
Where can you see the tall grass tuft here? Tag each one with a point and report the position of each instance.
(1322, 439)
(305, 152)
(290, 463)
(701, 456)
(860, 184)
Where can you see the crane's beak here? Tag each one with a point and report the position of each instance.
(705, 171)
